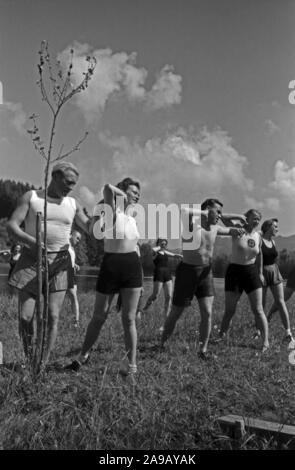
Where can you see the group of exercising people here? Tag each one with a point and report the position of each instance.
(252, 269)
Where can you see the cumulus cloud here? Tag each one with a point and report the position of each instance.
(117, 74)
(180, 164)
(272, 203)
(269, 203)
(14, 114)
(252, 203)
(284, 179)
(166, 91)
(88, 198)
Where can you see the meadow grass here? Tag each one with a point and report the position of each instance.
(176, 401)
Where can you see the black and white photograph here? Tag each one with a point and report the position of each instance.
(147, 228)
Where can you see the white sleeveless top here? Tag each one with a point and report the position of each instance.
(245, 248)
(124, 234)
(60, 216)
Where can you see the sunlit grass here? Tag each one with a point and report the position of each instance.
(177, 399)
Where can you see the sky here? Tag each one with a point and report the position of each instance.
(188, 97)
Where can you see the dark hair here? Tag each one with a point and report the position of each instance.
(13, 247)
(162, 240)
(253, 211)
(126, 182)
(210, 203)
(267, 224)
(124, 185)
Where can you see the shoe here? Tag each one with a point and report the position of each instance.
(76, 324)
(256, 335)
(206, 356)
(264, 349)
(131, 369)
(75, 366)
(219, 339)
(290, 341)
(203, 355)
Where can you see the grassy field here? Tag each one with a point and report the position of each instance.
(177, 399)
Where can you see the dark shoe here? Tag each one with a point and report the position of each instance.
(75, 366)
(206, 356)
(290, 341)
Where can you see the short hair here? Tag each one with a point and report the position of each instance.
(210, 203)
(267, 224)
(126, 182)
(253, 211)
(162, 240)
(64, 166)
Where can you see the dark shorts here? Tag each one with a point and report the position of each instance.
(291, 280)
(239, 278)
(119, 271)
(192, 281)
(272, 275)
(162, 275)
(24, 274)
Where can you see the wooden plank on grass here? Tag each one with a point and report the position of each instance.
(280, 431)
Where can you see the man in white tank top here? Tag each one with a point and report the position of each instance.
(62, 210)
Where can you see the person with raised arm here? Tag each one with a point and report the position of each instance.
(162, 276)
(194, 274)
(120, 272)
(244, 274)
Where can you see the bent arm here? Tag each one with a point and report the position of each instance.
(109, 194)
(82, 220)
(17, 218)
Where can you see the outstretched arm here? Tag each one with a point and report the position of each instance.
(236, 220)
(232, 231)
(173, 255)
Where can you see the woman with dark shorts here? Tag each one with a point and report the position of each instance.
(162, 276)
(243, 275)
(120, 271)
(272, 275)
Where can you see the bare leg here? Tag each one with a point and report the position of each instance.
(205, 304)
(231, 301)
(264, 296)
(130, 298)
(156, 291)
(278, 295)
(74, 302)
(170, 322)
(26, 307)
(288, 291)
(54, 307)
(168, 287)
(255, 298)
(101, 309)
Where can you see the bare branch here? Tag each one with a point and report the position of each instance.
(74, 149)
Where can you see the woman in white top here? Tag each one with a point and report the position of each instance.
(120, 271)
(243, 275)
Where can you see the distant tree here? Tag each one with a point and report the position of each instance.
(10, 191)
